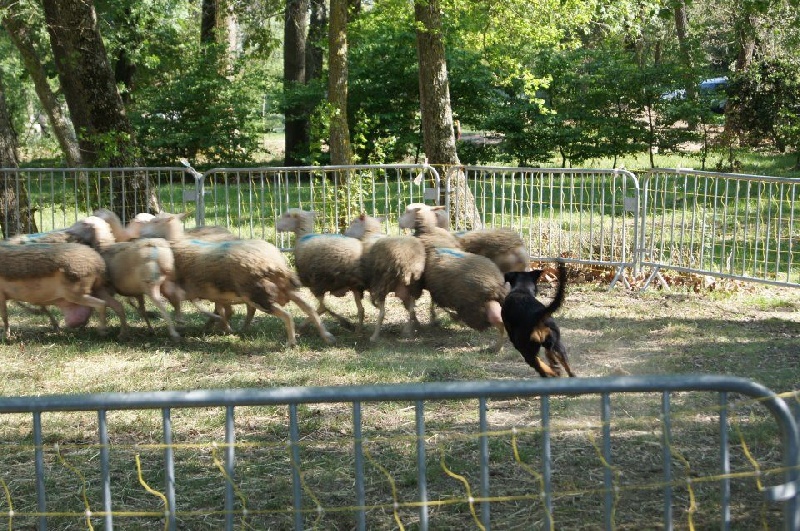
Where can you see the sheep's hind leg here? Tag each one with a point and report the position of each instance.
(288, 322)
(379, 322)
(109, 300)
(155, 296)
(312, 317)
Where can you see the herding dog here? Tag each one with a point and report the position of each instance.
(530, 324)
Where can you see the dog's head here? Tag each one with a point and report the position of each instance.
(523, 280)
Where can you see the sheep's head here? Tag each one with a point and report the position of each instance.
(92, 230)
(296, 220)
(441, 219)
(362, 225)
(168, 226)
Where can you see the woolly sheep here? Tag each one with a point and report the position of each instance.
(325, 263)
(390, 264)
(468, 284)
(141, 226)
(251, 272)
(136, 268)
(502, 245)
(71, 276)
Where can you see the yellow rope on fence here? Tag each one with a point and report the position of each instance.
(147, 487)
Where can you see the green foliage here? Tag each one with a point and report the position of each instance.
(765, 103)
(197, 112)
(384, 86)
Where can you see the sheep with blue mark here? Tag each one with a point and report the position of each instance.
(469, 285)
(502, 245)
(326, 263)
(135, 268)
(390, 264)
(236, 271)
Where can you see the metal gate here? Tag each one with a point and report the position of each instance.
(312, 480)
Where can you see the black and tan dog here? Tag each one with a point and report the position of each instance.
(530, 324)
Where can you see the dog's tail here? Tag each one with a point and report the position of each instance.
(555, 304)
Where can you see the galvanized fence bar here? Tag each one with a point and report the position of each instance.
(420, 394)
(736, 226)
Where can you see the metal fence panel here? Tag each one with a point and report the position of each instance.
(324, 471)
(584, 216)
(726, 225)
(57, 197)
(249, 201)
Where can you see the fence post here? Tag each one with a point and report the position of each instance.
(199, 190)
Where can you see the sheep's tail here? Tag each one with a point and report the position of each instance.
(558, 300)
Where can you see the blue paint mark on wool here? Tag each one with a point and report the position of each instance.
(221, 245)
(307, 237)
(450, 251)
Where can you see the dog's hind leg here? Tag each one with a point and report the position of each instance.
(558, 356)
(540, 366)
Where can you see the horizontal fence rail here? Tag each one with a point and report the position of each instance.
(266, 464)
(744, 227)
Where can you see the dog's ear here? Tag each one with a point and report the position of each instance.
(535, 274)
(511, 277)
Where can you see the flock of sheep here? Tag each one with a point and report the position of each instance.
(86, 265)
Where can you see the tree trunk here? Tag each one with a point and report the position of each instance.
(682, 31)
(19, 33)
(438, 135)
(340, 149)
(16, 215)
(104, 133)
(317, 30)
(294, 73)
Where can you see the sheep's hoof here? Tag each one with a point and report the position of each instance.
(374, 337)
(328, 338)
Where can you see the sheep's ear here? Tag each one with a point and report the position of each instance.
(438, 207)
(181, 215)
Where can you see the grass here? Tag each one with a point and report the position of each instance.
(743, 330)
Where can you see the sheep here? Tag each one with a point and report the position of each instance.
(135, 268)
(71, 276)
(251, 272)
(468, 284)
(325, 263)
(502, 245)
(140, 227)
(390, 264)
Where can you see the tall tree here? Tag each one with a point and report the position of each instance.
(20, 33)
(317, 29)
(16, 215)
(294, 74)
(104, 133)
(438, 134)
(86, 77)
(340, 149)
